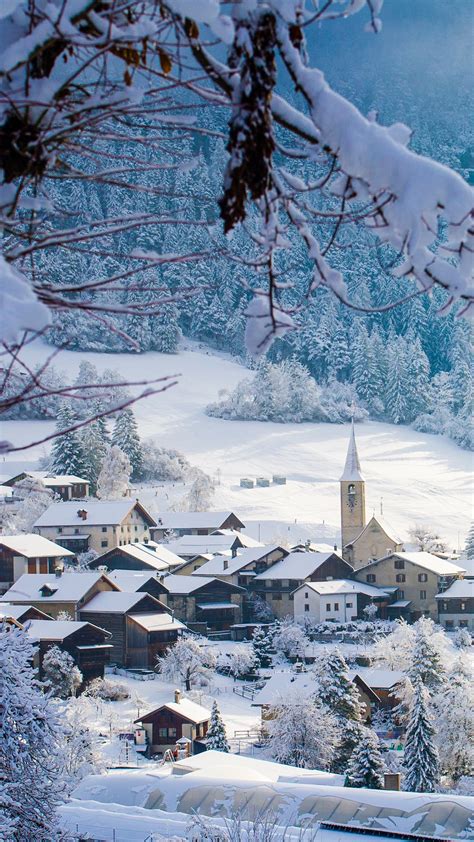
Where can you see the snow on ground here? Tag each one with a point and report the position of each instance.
(418, 477)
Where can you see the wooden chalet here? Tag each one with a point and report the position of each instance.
(203, 602)
(22, 613)
(58, 593)
(28, 553)
(89, 645)
(145, 555)
(173, 721)
(194, 523)
(66, 486)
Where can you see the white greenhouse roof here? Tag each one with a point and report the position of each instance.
(295, 566)
(460, 589)
(70, 587)
(32, 546)
(157, 622)
(99, 512)
(193, 520)
(342, 586)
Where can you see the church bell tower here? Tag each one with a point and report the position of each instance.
(352, 486)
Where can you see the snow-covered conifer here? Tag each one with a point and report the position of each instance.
(469, 546)
(336, 690)
(350, 736)
(454, 720)
(114, 478)
(366, 766)
(216, 739)
(94, 449)
(125, 435)
(67, 455)
(61, 674)
(31, 782)
(302, 733)
(425, 662)
(167, 333)
(421, 759)
(262, 644)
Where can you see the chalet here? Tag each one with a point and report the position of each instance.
(224, 540)
(139, 581)
(28, 553)
(206, 602)
(277, 584)
(241, 568)
(141, 626)
(382, 682)
(456, 605)
(96, 524)
(22, 613)
(148, 556)
(66, 486)
(337, 600)
(419, 577)
(58, 593)
(87, 644)
(194, 523)
(173, 721)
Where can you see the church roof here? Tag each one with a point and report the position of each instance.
(384, 526)
(352, 472)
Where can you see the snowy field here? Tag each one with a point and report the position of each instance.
(415, 476)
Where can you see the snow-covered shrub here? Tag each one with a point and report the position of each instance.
(114, 478)
(61, 674)
(302, 733)
(35, 499)
(289, 639)
(187, 660)
(241, 661)
(462, 639)
(163, 464)
(108, 690)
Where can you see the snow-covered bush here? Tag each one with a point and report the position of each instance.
(241, 661)
(61, 673)
(302, 732)
(187, 660)
(163, 464)
(289, 639)
(77, 749)
(462, 639)
(114, 478)
(108, 690)
(35, 499)
(454, 720)
(200, 495)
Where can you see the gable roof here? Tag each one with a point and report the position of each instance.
(117, 602)
(131, 580)
(99, 512)
(156, 557)
(194, 545)
(194, 520)
(157, 622)
(70, 587)
(460, 589)
(223, 565)
(57, 629)
(427, 561)
(176, 584)
(16, 612)
(185, 707)
(384, 526)
(31, 545)
(378, 679)
(342, 586)
(49, 478)
(297, 566)
(352, 470)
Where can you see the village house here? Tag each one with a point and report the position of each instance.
(361, 541)
(194, 523)
(28, 553)
(242, 567)
(66, 486)
(147, 556)
(87, 644)
(419, 577)
(338, 600)
(141, 581)
(204, 602)
(22, 613)
(382, 682)
(95, 524)
(194, 547)
(141, 626)
(277, 584)
(57, 594)
(456, 605)
(174, 721)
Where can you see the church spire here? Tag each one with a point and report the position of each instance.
(352, 472)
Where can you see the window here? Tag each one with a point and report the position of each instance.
(104, 543)
(306, 608)
(162, 732)
(31, 565)
(348, 604)
(104, 529)
(43, 567)
(336, 606)
(422, 577)
(463, 606)
(371, 577)
(463, 624)
(448, 624)
(422, 594)
(400, 577)
(202, 532)
(328, 606)
(171, 732)
(136, 528)
(76, 532)
(399, 564)
(276, 596)
(306, 595)
(59, 530)
(401, 594)
(196, 567)
(275, 583)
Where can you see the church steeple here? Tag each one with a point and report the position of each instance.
(352, 494)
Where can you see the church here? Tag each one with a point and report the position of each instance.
(361, 541)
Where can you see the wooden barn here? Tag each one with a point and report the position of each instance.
(173, 721)
(146, 556)
(89, 645)
(206, 602)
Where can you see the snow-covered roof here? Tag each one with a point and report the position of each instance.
(31, 545)
(7, 609)
(311, 546)
(185, 707)
(176, 584)
(285, 684)
(159, 559)
(295, 566)
(99, 512)
(194, 545)
(216, 606)
(131, 580)
(352, 472)
(53, 479)
(426, 560)
(223, 565)
(377, 679)
(70, 587)
(194, 520)
(157, 622)
(460, 589)
(384, 526)
(114, 602)
(342, 586)
(56, 629)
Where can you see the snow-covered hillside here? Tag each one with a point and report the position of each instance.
(418, 477)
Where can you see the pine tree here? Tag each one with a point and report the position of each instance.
(421, 759)
(61, 674)
(366, 766)
(67, 456)
(469, 546)
(336, 690)
(425, 658)
(454, 719)
(397, 386)
(31, 783)
(261, 644)
(95, 449)
(125, 436)
(113, 480)
(350, 737)
(216, 739)
(167, 334)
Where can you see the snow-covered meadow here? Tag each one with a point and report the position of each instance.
(414, 477)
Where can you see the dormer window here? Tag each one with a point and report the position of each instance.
(47, 590)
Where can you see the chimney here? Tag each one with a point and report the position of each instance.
(177, 697)
(82, 513)
(391, 781)
(58, 572)
(335, 548)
